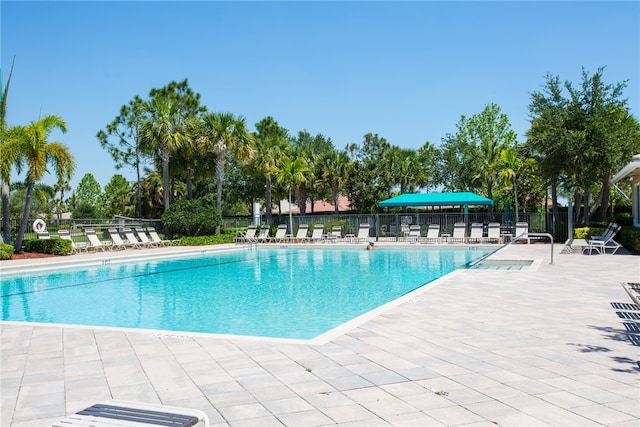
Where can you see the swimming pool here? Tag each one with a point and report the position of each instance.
(270, 292)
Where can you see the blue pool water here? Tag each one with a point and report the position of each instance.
(271, 292)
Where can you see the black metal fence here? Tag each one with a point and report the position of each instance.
(383, 226)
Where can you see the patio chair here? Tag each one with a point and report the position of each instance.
(601, 245)
(459, 233)
(493, 232)
(335, 235)
(414, 233)
(263, 236)
(302, 234)
(633, 290)
(247, 236)
(144, 239)
(131, 238)
(44, 235)
(317, 235)
(433, 233)
(117, 240)
(124, 413)
(477, 233)
(155, 238)
(363, 232)
(605, 236)
(281, 234)
(522, 228)
(95, 242)
(76, 247)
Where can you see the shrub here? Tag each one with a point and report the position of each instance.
(198, 217)
(53, 246)
(587, 232)
(629, 237)
(6, 251)
(215, 239)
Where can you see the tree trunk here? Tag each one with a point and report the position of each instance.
(554, 201)
(267, 200)
(605, 195)
(189, 184)
(138, 190)
(515, 195)
(165, 177)
(25, 217)
(587, 196)
(6, 220)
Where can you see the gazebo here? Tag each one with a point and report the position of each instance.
(464, 199)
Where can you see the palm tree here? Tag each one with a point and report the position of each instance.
(61, 186)
(163, 132)
(511, 167)
(223, 134)
(38, 153)
(291, 173)
(8, 156)
(334, 174)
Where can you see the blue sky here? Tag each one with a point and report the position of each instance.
(404, 70)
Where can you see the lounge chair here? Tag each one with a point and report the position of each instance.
(633, 290)
(363, 232)
(607, 242)
(77, 247)
(144, 239)
(131, 238)
(459, 233)
(123, 413)
(493, 232)
(605, 236)
(117, 240)
(522, 228)
(247, 236)
(281, 234)
(477, 233)
(263, 235)
(433, 234)
(155, 238)
(335, 235)
(317, 235)
(302, 234)
(95, 242)
(44, 235)
(414, 233)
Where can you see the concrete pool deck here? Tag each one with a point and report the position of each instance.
(551, 345)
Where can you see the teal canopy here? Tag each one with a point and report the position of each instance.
(437, 199)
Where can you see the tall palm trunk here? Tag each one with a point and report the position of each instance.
(219, 180)
(165, 176)
(25, 217)
(6, 221)
(267, 200)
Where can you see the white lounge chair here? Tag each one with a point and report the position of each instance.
(363, 232)
(414, 233)
(131, 238)
(247, 236)
(95, 242)
(263, 235)
(303, 233)
(459, 233)
(493, 232)
(433, 234)
(122, 413)
(281, 234)
(144, 239)
(633, 290)
(607, 242)
(77, 247)
(317, 235)
(335, 235)
(522, 228)
(117, 240)
(155, 238)
(477, 233)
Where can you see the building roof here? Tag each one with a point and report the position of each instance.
(631, 170)
(437, 199)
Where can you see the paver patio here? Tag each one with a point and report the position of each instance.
(553, 345)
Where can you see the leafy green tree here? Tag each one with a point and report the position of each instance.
(163, 132)
(512, 167)
(292, 172)
(312, 149)
(38, 153)
(62, 186)
(224, 134)
(370, 179)
(116, 195)
(270, 142)
(584, 136)
(89, 192)
(197, 217)
(85, 211)
(334, 173)
(121, 138)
